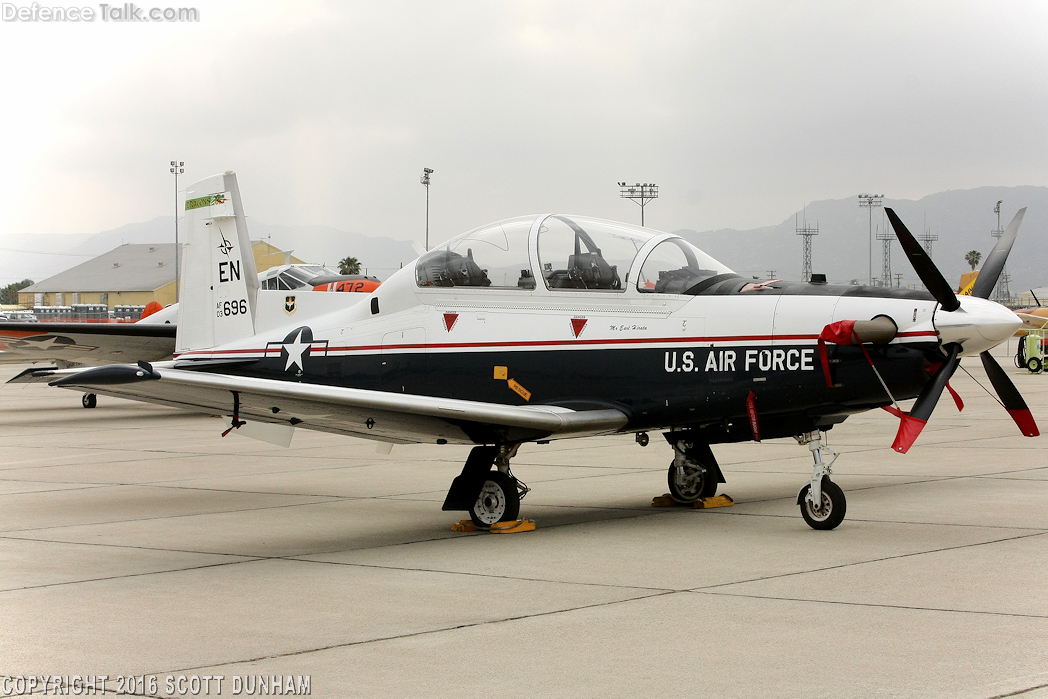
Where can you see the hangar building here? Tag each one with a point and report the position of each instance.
(130, 275)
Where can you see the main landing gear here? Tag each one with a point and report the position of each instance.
(693, 473)
(821, 501)
(490, 496)
(89, 400)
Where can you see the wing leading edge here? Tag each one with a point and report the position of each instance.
(379, 415)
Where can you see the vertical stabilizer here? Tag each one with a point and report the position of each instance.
(219, 281)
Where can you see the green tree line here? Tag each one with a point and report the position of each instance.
(9, 294)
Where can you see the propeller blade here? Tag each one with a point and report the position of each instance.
(923, 265)
(913, 422)
(1009, 395)
(991, 269)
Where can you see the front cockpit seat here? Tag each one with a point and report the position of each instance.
(452, 269)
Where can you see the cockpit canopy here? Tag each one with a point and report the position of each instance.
(574, 253)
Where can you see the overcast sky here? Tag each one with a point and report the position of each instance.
(742, 112)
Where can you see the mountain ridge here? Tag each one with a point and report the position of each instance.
(962, 218)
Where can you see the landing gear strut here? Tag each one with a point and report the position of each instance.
(822, 502)
(89, 400)
(693, 473)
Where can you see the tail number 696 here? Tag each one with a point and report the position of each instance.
(231, 308)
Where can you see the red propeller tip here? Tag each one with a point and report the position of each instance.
(909, 429)
(1024, 419)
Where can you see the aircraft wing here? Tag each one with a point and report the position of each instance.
(85, 343)
(380, 415)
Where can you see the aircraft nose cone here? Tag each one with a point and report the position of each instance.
(977, 325)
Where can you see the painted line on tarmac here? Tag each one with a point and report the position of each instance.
(913, 554)
(874, 605)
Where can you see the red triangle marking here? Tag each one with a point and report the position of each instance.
(450, 319)
(577, 324)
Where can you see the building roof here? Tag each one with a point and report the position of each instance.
(129, 267)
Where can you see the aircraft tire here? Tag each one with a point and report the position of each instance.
(1034, 365)
(705, 486)
(834, 506)
(89, 400)
(499, 500)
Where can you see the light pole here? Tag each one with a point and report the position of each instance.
(1003, 290)
(176, 170)
(869, 201)
(640, 193)
(426, 172)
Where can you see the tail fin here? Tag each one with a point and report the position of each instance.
(219, 281)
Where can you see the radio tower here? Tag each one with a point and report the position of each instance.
(806, 232)
(1003, 293)
(927, 237)
(886, 256)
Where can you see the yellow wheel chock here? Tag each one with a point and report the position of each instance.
(512, 527)
(702, 504)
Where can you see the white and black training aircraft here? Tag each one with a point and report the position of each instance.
(551, 326)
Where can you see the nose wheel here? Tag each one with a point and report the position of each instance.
(831, 509)
(89, 400)
(822, 502)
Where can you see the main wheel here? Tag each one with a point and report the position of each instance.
(694, 484)
(834, 505)
(1034, 365)
(499, 500)
(89, 400)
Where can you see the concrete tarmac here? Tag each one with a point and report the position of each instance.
(134, 540)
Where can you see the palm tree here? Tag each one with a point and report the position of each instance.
(349, 265)
(972, 257)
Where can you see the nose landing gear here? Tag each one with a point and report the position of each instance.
(822, 502)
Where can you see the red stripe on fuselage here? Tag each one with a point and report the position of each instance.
(556, 343)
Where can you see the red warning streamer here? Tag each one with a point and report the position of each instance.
(751, 410)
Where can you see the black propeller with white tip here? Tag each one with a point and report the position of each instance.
(914, 422)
